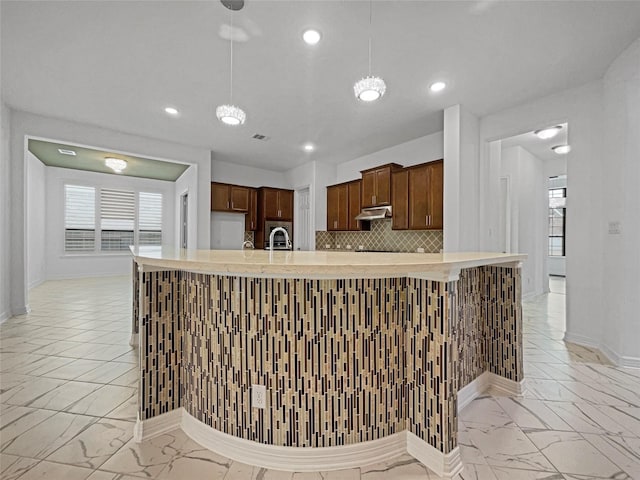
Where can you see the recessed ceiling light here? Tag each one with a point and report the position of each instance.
(437, 86)
(64, 151)
(561, 149)
(311, 37)
(115, 164)
(547, 133)
(309, 147)
(171, 110)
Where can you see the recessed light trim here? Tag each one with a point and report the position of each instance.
(311, 36)
(547, 133)
(115, 164)
(309, 147)
(437, 86)
(64, 151)
(561, 149)
(171, 110)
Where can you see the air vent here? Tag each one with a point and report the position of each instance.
(258, 136)
(67, 152)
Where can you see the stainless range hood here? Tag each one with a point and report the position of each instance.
(375, 213)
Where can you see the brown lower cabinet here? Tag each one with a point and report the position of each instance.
(418, 197)
(343, 204)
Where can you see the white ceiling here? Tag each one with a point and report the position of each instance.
(538, 147)
(118, 64)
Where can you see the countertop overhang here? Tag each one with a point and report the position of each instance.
(317, 264)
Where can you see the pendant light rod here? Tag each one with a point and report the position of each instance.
(370, 15)
(231, 59)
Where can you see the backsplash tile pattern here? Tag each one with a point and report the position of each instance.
(394, 350)
(382, 237)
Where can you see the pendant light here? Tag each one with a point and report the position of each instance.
(229, 114)
(369, 88)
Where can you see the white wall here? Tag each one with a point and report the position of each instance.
(188, 183)
(461, 180)
(5, 174)
(226, 172)
(61, 265)
(582, 109)
(529, 202)
(36, 217)
(620, 194)
(25, 124)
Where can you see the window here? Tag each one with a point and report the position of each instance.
(557, 221)
(79, 218)
(149, 218)
(123, 218)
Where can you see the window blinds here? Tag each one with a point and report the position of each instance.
(79, 218)
(117, 219)
(149, 218)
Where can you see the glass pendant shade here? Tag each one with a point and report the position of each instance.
(369, 89)
(231, 115)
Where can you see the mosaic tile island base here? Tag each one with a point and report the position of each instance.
(354, 364)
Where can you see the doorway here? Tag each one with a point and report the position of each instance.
(302, 224)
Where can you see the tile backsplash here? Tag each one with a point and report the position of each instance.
(382, 237)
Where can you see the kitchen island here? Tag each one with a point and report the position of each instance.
(363, 355)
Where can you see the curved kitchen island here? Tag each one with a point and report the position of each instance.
(363, 355)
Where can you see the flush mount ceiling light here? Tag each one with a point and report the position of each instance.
(437, 86)
(547, 133)
(309, 147)
(311, 37)
(370, 88)
(171, 110)
(561, 149)
(64, 151)
(229, 114)
(115, 164)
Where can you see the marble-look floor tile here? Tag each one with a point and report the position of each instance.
(476, 472)
(102, 475)
(50, 471)
(74, 369)
(66, 394)
(129, 379)
(551, 390)
(27, 392)
(486, 411)
(504, 473)
(12, 466)
(15, 420)
(95, 445)
(194, 461)
(605, 394)
(10, 380)
(126, 411)
(623, 451)
(404, 467)
(106, 373)
(569, 452)
(49, 435)
(586, 418)
(242, 471)
(149, 458)
(531, 413)
(102, 401)
(507, 446)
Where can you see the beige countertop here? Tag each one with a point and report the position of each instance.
(317, 264)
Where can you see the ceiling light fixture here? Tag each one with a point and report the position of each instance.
(561, 149)
(547, 133)
(369, 88)
(64, 151)
(171, 110)
(309, 147)
(437, 86)
(229, 114)
(311, 37)
(115, 164)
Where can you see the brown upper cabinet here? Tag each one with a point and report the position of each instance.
(229, 198)
(251, 219)
(343, 204)
(276, 203)
(376, 185)
(400, 200)
(425, 192)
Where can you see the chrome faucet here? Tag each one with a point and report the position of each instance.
(248, 244)
(273, 234)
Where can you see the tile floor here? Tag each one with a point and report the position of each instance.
(68, 404)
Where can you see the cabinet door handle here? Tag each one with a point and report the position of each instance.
(373, 199)
(426, 219)
(429, 220)
(227, 203)
(335, 224)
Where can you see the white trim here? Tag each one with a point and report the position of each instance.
(510, 387)
(35, 283)
(134, 340)
(21, 310)
(473, 390)
(610, 353)
(450, 274)
(444, 465)
(298, 459)
(4, 316)
(152, 427)
(93, 274)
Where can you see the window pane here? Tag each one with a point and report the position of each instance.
(117, 216)
(150, 218)
(79, 218)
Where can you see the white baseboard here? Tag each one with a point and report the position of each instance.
(611, 354)
(20, 310)
(133, 341)
(35, 283)
(444, 465)
(153, 427)
(4, 316)
(484, 382)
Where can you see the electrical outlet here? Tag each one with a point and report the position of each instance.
(258, 396)
(348, 247)
(360, 247)
(327, 246)
(338, 246)
(420, 250)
